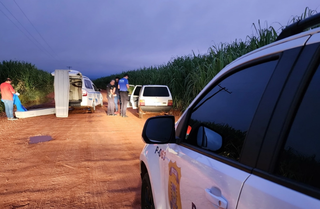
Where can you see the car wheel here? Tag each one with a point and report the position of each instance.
(140, 113)
(146, 193)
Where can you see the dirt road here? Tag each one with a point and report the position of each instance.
(92, 161)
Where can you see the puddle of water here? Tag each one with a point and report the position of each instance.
(37, 139)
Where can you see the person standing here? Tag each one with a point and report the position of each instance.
(110, 92)
(7, 92)
(123, 87)
(116, 95)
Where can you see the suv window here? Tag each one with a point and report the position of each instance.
(155, 92)
(220, 121)
(87, 83)
(300, 157)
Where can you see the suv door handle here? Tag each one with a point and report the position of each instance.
(215, 197)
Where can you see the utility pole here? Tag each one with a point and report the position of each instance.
(69, 67)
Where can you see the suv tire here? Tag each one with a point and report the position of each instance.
(140, 113)
(146, 193)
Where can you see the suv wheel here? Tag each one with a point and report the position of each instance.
(140, 113)
(146, 193)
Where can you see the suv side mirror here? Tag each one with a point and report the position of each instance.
(159, 130)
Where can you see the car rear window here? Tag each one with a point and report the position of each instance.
(155, 92)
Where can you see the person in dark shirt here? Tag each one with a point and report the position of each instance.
(110, 92)
(116, 94)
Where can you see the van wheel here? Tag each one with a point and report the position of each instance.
(93, 108)
(140, 113)
(146, 193)
(101, 103)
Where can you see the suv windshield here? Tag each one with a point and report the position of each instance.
(155, 92)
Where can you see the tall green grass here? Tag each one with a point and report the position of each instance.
(186, 76)
(32, 84)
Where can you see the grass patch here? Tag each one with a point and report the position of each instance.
(186, 76)
(32, 84)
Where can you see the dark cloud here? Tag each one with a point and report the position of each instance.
(100, 38)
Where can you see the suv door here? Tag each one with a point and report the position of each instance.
(134, 97)
(205, 170)
(288, 169)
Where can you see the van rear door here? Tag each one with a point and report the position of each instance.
(75, 91)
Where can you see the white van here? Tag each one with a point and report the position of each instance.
(151, 98)
(82, 91)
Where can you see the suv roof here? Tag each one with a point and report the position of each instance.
(155, 86)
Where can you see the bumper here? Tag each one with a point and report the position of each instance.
(155, 108)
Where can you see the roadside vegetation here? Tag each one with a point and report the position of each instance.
(32, 84)
(186, 76)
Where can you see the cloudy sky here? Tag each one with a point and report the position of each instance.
(104, 37)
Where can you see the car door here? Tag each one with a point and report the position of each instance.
(134, 97)
(288, 169)
(205, 170)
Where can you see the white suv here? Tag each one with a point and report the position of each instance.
(250, 138)
(151, 98)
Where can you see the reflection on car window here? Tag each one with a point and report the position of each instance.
(208, 139)
(300, 157)
(229, 107)
(155, 92)
(87, 84)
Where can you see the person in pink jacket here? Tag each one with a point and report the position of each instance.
(7, 92)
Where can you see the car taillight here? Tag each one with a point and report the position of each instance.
(141, 102)
(170, 103)
(84, 93)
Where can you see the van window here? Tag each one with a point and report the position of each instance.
(95, 88)
(87, 83)
(155, 92)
